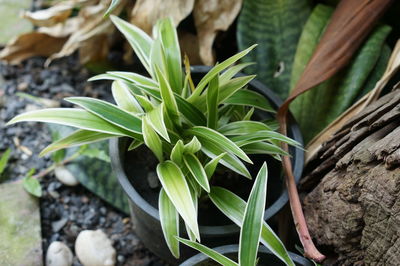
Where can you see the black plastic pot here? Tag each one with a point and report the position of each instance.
(265, 257)
(143, 205)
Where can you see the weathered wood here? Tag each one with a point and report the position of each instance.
(352, 188)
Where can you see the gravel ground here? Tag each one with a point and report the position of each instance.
(65, 211)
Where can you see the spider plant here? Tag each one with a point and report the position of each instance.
(190, 128)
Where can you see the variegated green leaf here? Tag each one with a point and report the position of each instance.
(177, 189)
(193, 146)
(156, 120)
(234, 207)
(212, 165)
(77, 138)
(250, 98)
(138, 39)
(219, 140)
(264, 148)
(231, 72)
(152, 140)
(250, 231)
(73, 117)
(197, 170)
(242, 128)
(263, 135)
(113, 5)
(124, 98)
(145, 103)
(221, 259)
(212, 102)
(177, 152)
(169, 219)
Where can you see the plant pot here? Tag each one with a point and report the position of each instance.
(133, 176)
(265, 257)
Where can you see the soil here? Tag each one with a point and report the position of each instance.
(65, 211)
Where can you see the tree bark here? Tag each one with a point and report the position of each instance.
(351, 189)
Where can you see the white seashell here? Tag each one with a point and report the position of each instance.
(58, 254)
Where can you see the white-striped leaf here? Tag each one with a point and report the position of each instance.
(250, 98)
(156, 120)
(212, 165)
(242, 128)
(193, 146)
(152, 140)
(177, 152)
(169, 219)
(124, 98)
(197, 170)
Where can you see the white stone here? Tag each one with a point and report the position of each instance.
(94, 248)
(58, 254)
(65, 176)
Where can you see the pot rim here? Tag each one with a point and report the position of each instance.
(293, 130)
(234, 249)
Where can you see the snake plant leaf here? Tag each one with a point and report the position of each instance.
(263, 136)
(250, 98)
(167, 96)
(209, 135)
(193, 146)
(77, 138)
(172, 53)
(242, 128)
(231, 72)
(177, 152)
(212, 102)
(212, 165)
(264, 148)
(138, 39)
(234, 207)
(221, 259)
(215, 71)
(174, 184)
(339, 92)
(228, 160)
(276, 26)
(109, 112)
(73, 117)
(169, 219)
(250, 231)
(156, 119)
(113, 5)
(197, 170)
(124, 98)
(152, 140)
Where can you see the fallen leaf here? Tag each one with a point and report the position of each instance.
(211, 16)
(146, 12)
(50, 16)
(31, 44)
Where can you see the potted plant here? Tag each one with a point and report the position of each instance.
(253, 230)
(189, 129)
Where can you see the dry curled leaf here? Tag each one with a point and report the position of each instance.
(50, 16)
(146, 12)
(31, 44)
(211, 16)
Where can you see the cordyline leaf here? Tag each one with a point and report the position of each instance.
(221, 259)
(177, 189)
(109, 112)
(197, 170)
(250, 98)
(276, 26)
(250, 231)
(124, 98)
(349, 25)
(169, 220)
(77, 138)
(74, 118)
(172, 53)
(234, 207)
(138, 39)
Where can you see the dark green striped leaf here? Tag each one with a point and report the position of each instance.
(250, 98)
(212, 103)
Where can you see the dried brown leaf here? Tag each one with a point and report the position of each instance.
(31, 44)
(50, 16)
(211, 16)
(146, 12)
